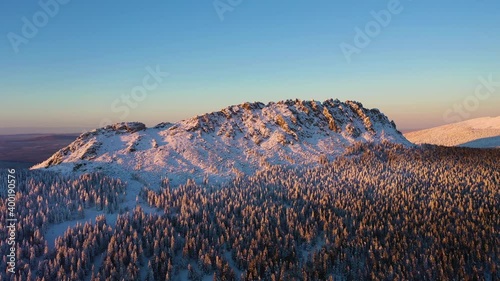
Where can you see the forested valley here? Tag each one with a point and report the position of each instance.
(379, 212)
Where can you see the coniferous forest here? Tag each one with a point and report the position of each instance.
(378, 212)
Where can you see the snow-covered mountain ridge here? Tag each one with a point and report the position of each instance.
(237, 140)
(476, 133)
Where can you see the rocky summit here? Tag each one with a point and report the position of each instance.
(234, 141)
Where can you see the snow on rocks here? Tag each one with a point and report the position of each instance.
(217, 146)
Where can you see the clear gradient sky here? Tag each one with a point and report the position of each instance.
(89, 54)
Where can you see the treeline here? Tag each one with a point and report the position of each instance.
(380, 212)
(43, 198)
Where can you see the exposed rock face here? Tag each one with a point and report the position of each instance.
(238, 139)
(123, 127)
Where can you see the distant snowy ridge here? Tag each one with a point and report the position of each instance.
(237, 140)
(476, 133)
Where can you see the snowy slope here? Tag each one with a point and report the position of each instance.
(237, 140)
(477, 133)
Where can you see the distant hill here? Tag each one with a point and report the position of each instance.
(476, 133)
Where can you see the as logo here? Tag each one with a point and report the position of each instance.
(223, 6)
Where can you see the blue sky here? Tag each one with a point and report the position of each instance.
(75, 70)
